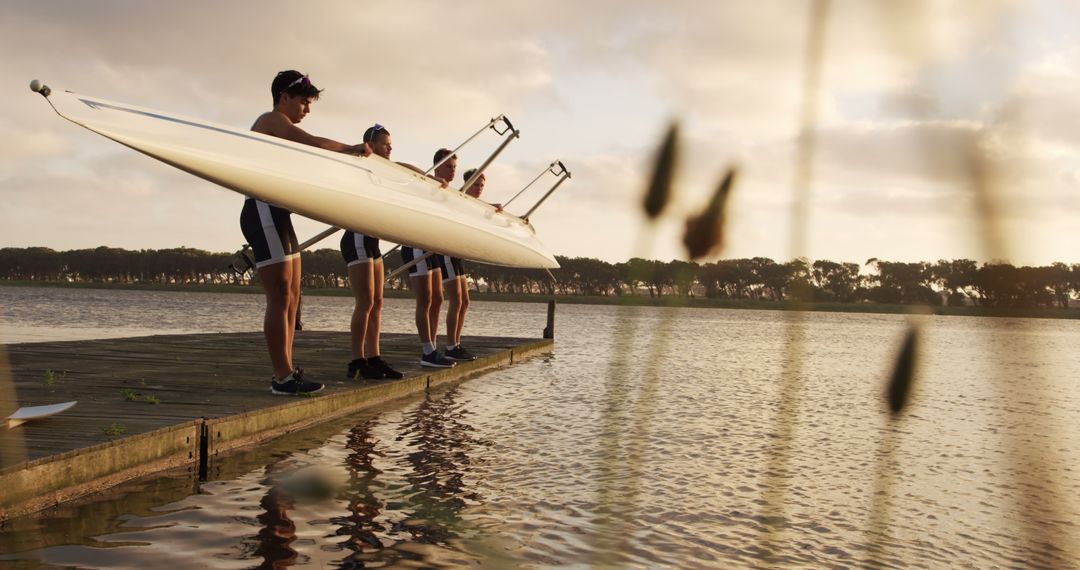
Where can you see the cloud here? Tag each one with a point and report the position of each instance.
(128, 200)
(909, 91)
(22, 142)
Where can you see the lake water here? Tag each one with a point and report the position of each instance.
(649, 438)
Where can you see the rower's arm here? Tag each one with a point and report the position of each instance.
(296, 134)
(281, 127)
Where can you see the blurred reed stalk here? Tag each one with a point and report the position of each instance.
(615, 505)
(704, 235)
(618, 494)
(897, 395)
(903, 24)
(1030, 456)
(776, 471)
(899, 22)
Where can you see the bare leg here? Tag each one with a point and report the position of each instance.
(452, 289)
(374, 321)
(294, 302)
(360, 280)
(436, 303)
(421, 286)
(464, 281)
(276, 282)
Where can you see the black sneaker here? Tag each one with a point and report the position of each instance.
(379, 364)
(294, 385)
(459, 353)
(365, 370)
(436, 360)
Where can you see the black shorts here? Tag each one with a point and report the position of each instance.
(424, 267)
(269, 231)
(359, 248)
(451, 267)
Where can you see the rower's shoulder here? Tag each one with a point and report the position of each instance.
(269, 123)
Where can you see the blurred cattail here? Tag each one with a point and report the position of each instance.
(903, 377)
(986, 204)
(659, 192)
(705, 231)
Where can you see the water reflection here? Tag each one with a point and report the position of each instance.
(362, 525)
(407, 486)
(439, 441)
(278, 531)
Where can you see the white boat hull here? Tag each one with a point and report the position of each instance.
(363, 194)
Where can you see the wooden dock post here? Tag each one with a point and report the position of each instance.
(549, 330)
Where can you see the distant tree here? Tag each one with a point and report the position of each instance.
(799, 285)
(588, 276)
(835, 281)
(998, 285)
(770, 278)
(992, 284)
(1074, 280)
(956, 277)
(715, 277)
(682, 276)
(31, 264)
(638, 273)
(657, 276)
(1059, 281)
(899, 282)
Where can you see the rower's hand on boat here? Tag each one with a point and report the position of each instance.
(498, 207)
(442, 183)
(361, 149)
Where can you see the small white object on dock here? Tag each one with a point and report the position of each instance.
(23, 415)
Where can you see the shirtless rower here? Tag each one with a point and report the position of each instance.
(268, 228)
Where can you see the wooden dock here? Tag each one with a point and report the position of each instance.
(152, 403)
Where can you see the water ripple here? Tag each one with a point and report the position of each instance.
(566, 461)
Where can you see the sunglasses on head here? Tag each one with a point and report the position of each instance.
(302, 80)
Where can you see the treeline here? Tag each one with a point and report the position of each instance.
(956, 282)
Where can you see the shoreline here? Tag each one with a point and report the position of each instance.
(634, 300)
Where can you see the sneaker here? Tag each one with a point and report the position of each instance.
(436, 360)
(294, 385)
(379, 364)
(365, 370)
(459, 353)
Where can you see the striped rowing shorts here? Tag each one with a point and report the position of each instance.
(421, 269)
(269, 230)
(359, 248)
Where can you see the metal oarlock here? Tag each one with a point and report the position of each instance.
(563, 178)
(507, 125)
(550, 168)
(491, 125)
(242, 262)
(514, 133)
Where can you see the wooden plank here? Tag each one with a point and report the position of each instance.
(191, 376)
(212, 392)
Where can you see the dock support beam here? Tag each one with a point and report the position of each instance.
(549, 330)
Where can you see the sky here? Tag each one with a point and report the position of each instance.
(915, 99)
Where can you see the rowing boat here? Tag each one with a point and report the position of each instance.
(369, 195)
